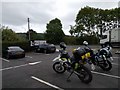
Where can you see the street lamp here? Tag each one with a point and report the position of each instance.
(28, 29)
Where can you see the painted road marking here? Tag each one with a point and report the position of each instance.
(13, 67)
(115, 64)
(39, 53)
(34, 63)
(47, 54)
(4, 59)
(116, 57)
(28, 56)
(47, 83)
(105, 74)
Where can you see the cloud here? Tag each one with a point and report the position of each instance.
(15, 12)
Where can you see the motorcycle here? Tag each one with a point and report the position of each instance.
(107, 52)
(67, 63)
(100, 58)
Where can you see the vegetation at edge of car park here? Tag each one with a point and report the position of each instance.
(10, 38)
(23, 44)
(71, 40)
(94, 21)
(89, 23)
(34, 35)
(54, 33)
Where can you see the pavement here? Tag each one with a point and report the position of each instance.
(35, 71)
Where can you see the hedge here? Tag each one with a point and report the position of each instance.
(23, 44)
(70, 40)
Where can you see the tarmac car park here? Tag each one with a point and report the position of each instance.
(35, 71)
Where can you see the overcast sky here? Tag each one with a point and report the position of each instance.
(15, 12)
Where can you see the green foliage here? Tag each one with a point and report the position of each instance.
(40, 36)
(70, 40)
(90, 19)
(54, 33)
(90, 39)
(10, 35)
(10, 38)
(32, 33)
(23, 44)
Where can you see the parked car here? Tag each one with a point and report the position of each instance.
(45, 48)
(14, 52)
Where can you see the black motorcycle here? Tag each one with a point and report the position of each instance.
(99, 58)
(107, 52)
(72, 65)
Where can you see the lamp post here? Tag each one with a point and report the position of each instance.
(28, 29)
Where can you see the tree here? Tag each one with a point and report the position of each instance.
(54, 33)
(33, 34)
(76, 30)
(87, 19)
(71, 30)
(10, 35)
(93, 18)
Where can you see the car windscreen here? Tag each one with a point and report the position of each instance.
(15, 48)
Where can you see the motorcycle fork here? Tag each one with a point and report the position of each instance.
(103, 60)
(96, 62)
(61, 62)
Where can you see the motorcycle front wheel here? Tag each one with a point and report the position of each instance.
(85, 74)
(58, 67)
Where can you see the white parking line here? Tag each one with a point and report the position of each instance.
(106, 74)
(13, 67)
(28, 56)
(115, 64)
(47, 83)
(4, 59)
(47, 54)
(34, 63)
(116, 57)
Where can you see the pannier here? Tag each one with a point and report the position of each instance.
(78, 53)
(81, 54)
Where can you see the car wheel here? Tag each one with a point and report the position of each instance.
(54, 51)
(45, 51)
(23, 56)
(36, 50)
(8, 56)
